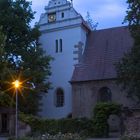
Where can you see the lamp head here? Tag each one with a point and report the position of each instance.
(16, 84)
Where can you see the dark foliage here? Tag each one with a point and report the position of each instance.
(102, 111)
(128, 69)
(82, 126)
(26, 60)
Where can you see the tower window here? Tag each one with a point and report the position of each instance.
(61, 45)
(56, 46)
(62, 15)
(59, 97)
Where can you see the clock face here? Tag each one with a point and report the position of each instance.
(52, 17)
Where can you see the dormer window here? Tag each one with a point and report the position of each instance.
(62, 15)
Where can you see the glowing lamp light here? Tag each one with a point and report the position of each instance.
(16, 84)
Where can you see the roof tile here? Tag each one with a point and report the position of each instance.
(103, 49)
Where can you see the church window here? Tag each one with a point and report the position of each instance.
(105, 95)
(56, 46)
(62, 15)
(61, 45)
(59, 97)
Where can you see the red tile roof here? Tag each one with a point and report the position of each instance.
(103, 49)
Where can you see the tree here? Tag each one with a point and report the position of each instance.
(128, 69)
(26, 60)
(90, 22)
(5, 99)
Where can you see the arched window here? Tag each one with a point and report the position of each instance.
(105, 95)
(59, 97)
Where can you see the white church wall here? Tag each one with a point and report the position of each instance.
(71, 31)
(84, 37)
(61, 68)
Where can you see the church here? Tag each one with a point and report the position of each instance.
(83, 68)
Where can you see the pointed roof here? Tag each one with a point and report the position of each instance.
(103, 50)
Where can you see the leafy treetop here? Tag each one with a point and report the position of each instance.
(25, 59)
(128, 69)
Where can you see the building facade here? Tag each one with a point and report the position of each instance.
(63, 37)
(83, 69)
(95, 79)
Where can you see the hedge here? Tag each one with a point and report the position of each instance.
(82, 126)
(95, 127)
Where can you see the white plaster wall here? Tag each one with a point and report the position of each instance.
(57, 3)
(61, 68)
(69, 13)
(84, 38)
(71, 30)
(50, 27)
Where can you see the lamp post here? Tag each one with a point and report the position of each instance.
(16, 85)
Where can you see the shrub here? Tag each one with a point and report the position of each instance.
(82, 126)
(101, 114)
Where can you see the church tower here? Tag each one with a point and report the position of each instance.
(63, 36)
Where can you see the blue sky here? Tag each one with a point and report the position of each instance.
(108, 13)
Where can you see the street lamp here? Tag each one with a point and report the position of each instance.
(16, 84)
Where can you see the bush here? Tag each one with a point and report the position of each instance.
(83, 126)
(96, 127)
(102, 111)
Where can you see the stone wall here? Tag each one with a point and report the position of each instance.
(85, 96)
(133, 127)
(132, 123)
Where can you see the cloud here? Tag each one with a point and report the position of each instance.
(100, 10)
(39, 3)
(109, 11)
